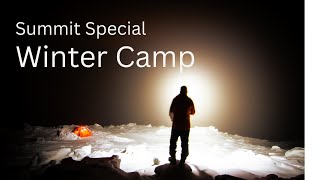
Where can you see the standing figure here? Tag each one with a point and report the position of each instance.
(180, 110)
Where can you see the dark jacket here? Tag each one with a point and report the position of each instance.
(181, 108)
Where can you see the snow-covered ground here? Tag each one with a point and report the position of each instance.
(143, 148)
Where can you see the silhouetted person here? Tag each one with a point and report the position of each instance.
(180, 110)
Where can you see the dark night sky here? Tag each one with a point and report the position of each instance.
(254, 48)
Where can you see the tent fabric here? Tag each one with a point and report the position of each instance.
(82, 131)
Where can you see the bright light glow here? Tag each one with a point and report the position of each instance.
(201, 89)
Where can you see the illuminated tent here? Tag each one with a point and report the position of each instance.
(82, 131)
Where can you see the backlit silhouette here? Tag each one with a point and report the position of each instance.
(180, 110)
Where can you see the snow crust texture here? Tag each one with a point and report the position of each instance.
(142, 148)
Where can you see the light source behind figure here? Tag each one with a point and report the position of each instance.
(201, 89)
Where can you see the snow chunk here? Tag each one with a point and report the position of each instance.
(70, 136)
(275, 148)
(80, 153)
(102, 153)
(213, 129)
(65, 133)
(297, 152)
(97, 125)
(131, 124)
(47, 156)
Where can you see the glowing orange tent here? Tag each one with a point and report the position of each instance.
(82, 131)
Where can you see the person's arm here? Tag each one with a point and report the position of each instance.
(171, 114)
(192, 110)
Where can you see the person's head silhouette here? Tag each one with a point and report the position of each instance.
(183, 90)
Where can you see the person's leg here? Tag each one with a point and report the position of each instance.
(185, 146)
(173, 146)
